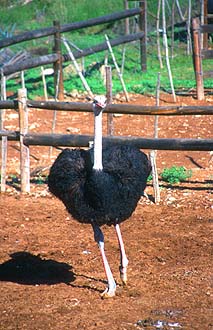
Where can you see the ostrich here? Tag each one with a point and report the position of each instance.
(101, 186)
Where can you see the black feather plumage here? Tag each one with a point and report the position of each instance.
(107, 196)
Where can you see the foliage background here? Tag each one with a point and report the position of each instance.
(36, 14)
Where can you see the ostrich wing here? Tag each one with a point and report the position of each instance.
(67, 179)
(129, 165)
(68, 172)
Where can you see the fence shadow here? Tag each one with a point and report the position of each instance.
(26, 268)
(15, 182)
(188, 185)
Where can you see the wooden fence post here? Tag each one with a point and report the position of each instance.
(197, 58)
(205, 35)
(155, 176)
(153, 153)
(4, 138)
(188, 27)
(158, 34)
(110, 126)
(24, 150)
(58, 68)
(126, 6)
(44, 83)
(143, 27)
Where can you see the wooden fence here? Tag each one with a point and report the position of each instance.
(57, 58)
(201, 54)
(27, 139)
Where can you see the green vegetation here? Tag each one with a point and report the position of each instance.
(41, 13)
(175, 174)
(149, 178)
(39, 179)
(14, 180)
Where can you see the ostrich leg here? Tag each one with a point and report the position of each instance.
(124, 260)
(99, 238)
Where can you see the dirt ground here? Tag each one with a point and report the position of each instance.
(51, 274)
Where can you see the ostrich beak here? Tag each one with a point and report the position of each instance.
(99, 102)
(100, 105)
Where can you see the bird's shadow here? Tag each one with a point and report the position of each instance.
(26, 268)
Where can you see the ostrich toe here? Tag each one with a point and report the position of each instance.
(108, 293)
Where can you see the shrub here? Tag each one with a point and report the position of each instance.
(175, 174)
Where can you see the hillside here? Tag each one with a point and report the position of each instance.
(36, 14)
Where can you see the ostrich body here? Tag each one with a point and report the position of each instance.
(101, 187)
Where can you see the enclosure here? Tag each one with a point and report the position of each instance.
(51, 273)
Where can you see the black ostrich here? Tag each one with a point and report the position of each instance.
(101, 187)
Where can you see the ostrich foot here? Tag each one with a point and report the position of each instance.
(108, 293)
(123, 275)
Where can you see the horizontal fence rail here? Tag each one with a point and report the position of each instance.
(49, 59)
(11, 135)
(125, 108)
(142, 143)
(206, 28)
(74, 140)
(40, 33)
(114, 108)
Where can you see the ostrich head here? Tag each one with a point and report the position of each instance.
(99, 103)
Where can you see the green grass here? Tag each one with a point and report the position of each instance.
(135, 80)
(39, 13)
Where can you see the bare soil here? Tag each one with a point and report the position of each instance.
(51, 274)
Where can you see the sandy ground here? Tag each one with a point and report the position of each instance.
(51, 274)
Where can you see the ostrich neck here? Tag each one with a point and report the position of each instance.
(98, 142)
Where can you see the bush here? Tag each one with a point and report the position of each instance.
(175, 174)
